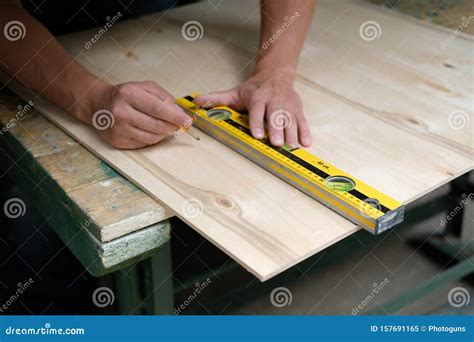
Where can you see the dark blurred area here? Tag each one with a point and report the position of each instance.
(67, 16)
(30, 249)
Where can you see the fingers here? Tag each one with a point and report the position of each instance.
(126, 132)
(304, 132)
(150, 104)
(276, 123)
(222, 98)
(280, 108)
(287, 126)
(143, 113)
(124, 136)
(150, 124)
(143, 136)
(129, 144)
(256, 116)
(155, 89)
(291, 134)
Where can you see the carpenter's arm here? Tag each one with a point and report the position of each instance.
(283, 30)
(31, 54)
(269, 95)
(143, 112)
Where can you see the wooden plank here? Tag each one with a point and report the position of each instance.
(248, 221)
(69, 187)
(263, 223)
(62, 214)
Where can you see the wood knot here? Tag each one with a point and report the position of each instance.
(131, 55)
(413, 121)
(224, 202)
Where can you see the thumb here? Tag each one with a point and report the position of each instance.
(221, 98)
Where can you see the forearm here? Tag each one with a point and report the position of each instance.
(283, 30)
(41, 63)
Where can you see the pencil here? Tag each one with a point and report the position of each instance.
(190, 132)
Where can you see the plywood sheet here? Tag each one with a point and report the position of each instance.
(404, 149)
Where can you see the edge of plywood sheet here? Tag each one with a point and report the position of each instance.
(447, 180)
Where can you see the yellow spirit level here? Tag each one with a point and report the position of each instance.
(346, 195)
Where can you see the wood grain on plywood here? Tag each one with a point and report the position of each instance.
(378, 110)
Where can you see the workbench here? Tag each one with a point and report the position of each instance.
(106, 221)
(76, 193)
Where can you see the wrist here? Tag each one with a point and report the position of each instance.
(277, 74)
(93, 98)
(278, 71)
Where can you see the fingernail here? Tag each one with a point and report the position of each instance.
(278, 141)
(306, 141)
(258, 133)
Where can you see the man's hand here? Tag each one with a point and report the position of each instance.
(268, 100)
(129, 115)
(268, 95)
(136, 115)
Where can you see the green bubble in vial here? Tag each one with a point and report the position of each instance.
(339, 183)
(219, 114)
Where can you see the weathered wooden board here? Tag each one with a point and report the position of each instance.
(404, 148)
(96, 198)
(101, 217)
